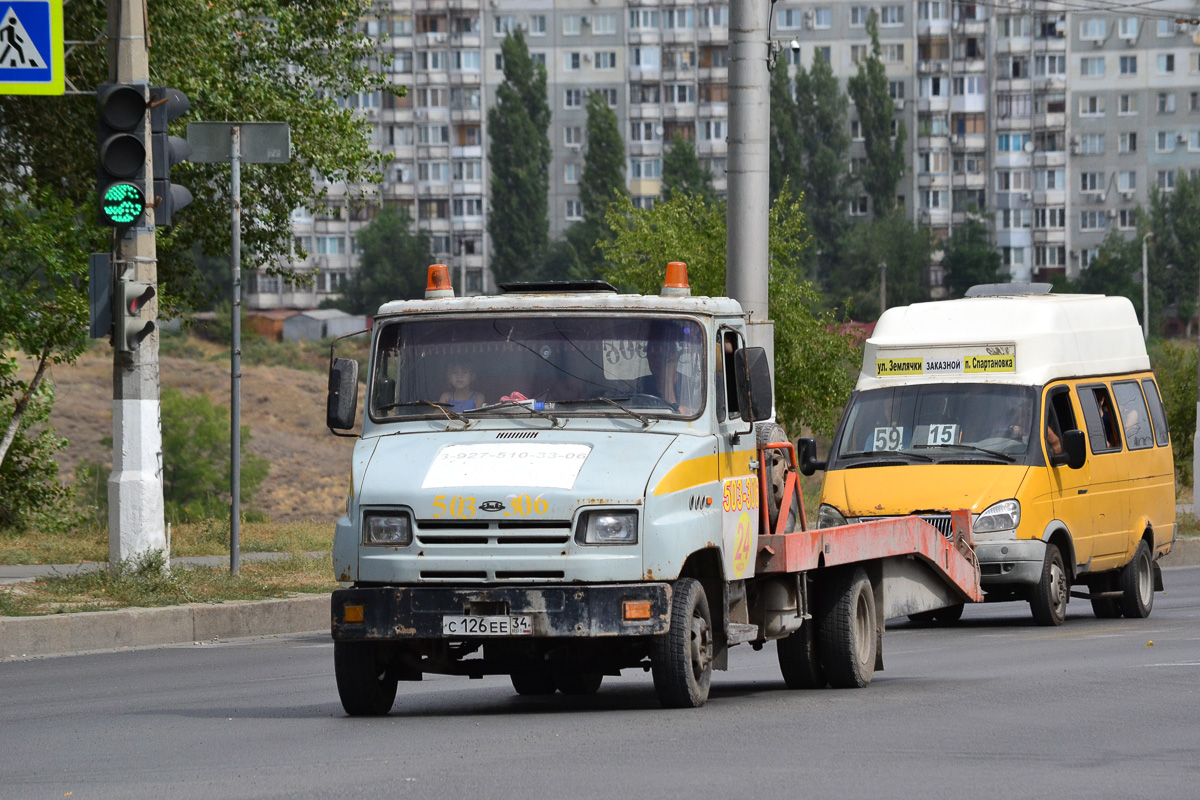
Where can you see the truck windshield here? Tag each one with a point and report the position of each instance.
(934, 423)
(615, 365)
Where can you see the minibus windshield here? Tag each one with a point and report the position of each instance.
(475, 366)
(938, 423)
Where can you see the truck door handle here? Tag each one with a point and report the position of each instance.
(1083, 491)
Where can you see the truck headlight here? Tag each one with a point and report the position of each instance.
(829, 517)
(607, 527)
(1002, 516)
(387, 529)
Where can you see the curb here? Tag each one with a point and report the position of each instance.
(62, 634)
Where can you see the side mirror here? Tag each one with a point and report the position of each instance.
(752, 374)
(341, 405)
(1074, 444)
(806, 454)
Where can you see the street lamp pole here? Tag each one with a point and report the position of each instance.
(1145, 289)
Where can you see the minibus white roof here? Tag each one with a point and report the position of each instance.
(1025, 339)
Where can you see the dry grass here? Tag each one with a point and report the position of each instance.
(209, 538)
(146, 584)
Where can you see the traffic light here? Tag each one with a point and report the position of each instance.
(167, 104)
(131, 327)
(121, 143)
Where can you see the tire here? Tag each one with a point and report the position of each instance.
(533, 684)
(777, 465)
(847, 638)
(365, 684)
(1137, 584)
(579, 683)
(1049, 601)
(799, 660)
(682, 659)
(1104, 607)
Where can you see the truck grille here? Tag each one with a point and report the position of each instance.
(435, 532)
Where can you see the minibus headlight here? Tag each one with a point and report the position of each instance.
(607, 527)
(829, 517)
(1002, 516)
(387, 529)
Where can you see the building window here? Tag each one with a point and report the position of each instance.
(1091, 181)
(856, 130)
(331, 245)
(433, 171)
(1012, 180)
(968, 85)
(467, 60)
(1166, 103)
(468, 170)
(822, 18)
(1166, 63)
(1094, 28)
(571, 61)
(1127, 28)
(1166, 179)
(439, 244)
(1012, 142)
(572, 25)
(574, 209)
(503, 25)
(1128, 65)
(1093, 220)
(858, 53)
(1127, 105)
(894, 54)
(1091, 106)
(537, 25)
(571, 173)
(1012, 256)
(858, 206)
(1127, 218)
(825, 53)
(645, 168)
(679, 18)
(1127, 180)
(1091, 66)
(1051, 256)
(1127, 142)
(433, 134)
(1091, 144)
(604, 24)
(935, 198)
(891, 16)
(1049, 65)
(1053, 217)
(1051, 179)
(605, 59)
(572, 98)
(1165, 142)
(645, 131)
(643, 19)
(858, 16)
(932, 10)
(714, 16)
(646, 58)
(610, 97)
(467, 207)
(573, 136)
(896, 90)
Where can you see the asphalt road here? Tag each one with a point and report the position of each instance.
(993, 708)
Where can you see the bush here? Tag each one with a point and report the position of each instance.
(1175, 367)
(196, 469)
(31, 495)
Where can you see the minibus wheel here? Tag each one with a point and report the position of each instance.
(579, 683)
(848, 639)
(366, 685)
(1049, 601)
(1137, 583)
(681, 660)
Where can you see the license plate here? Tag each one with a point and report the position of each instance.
(487, 626)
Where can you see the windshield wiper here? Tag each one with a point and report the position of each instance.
(992, 453)
(506, 404)
(443, 407)
(886, 454)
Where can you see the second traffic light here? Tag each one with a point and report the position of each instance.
(130, 326)
(167, 104)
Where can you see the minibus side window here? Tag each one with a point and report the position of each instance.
(1135, 419)
(1059, 417)
(1157, 415)
(1100, 417)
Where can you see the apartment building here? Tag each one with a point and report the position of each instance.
(1053, 123)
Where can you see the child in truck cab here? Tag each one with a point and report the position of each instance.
(461, 396)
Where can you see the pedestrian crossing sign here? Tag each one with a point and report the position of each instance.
(31, 47)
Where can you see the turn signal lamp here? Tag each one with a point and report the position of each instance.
(353, 614)
(676, 282)
(438, 285)
(635, 609)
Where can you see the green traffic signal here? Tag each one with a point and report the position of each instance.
(122, 204)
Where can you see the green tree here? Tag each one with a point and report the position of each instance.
(892, 240)
(876, 114)
(969, 257)
(683, 173)
(1113, 269)
(519, 156)
(825, 180)
(43, 301)
(31, 496)
(1174, 365)
(196, 469)
(603, 181)
(786, 157)
(813, 361)
(1174, 256)
(393, 264)
(235, 59)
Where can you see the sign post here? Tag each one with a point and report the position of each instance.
(252, 143)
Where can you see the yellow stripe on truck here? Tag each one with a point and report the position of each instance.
(706, 469)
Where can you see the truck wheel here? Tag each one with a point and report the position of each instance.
(847, 636)
(1049, 601)
(777, 464)
(798, 658)
(1137, 583)
(364, 683)
(681, 660)
(945, 616)
(579, 683)
(533, 684)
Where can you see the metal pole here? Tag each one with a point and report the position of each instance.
(1145, 289)
(235, 360)
(135, 488)
(746, 251)
(882, 287)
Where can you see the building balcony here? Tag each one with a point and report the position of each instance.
(933, 27)
(461, 115)
(464, 5)
(432, 114)
(1012, 84)
(428, 151)
(431, 78)
(645, 111)
(971, 180)
(645, 148)
(969, 143)
(399, 191)
(433, 190)
(641, 74)
(969, 104)
(1019, 45)
(679, 111)
(711, 147)
(1054, 197)
(683, 36)
(713, 35)
(717, 74)
(970, 27)
(680, 73)
(467, 188)
(713, 110)
(1056, 158)
(933, 103)
(1050, 121)
(458, 78)
(423, 40)
(467, 41)
(467, 151)
(970, 66)
(644, 37)
(1049, 236)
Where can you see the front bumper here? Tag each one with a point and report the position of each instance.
(1011, 562)
(394, 613)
